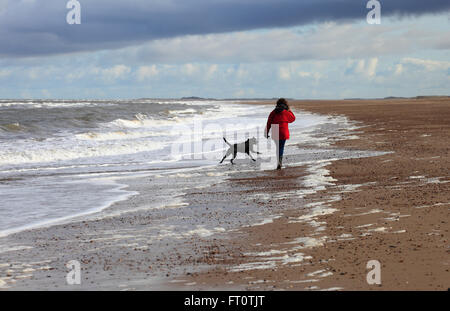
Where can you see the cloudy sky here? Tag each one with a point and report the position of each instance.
(224, 49)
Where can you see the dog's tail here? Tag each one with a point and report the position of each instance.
(227, 142)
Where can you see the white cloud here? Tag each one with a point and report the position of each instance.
(189, 69)
(242, 73)
(284, 73)
(304, 74)
(79, 73)
(145, 72)
(326, 41)
(35, 73)
(107, 74)
(316, 76)
(398, 69)
(372, 67)
(212, 69)
(368, 69)
(360, 66)
(429, 65)
(289, 69)
(366, 77)
(115, 72)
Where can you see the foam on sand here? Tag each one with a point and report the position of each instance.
(270, 262)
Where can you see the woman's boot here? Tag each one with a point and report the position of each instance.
(280, 163)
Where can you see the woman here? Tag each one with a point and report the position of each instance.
(281, 115)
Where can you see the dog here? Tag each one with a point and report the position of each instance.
(245, 147)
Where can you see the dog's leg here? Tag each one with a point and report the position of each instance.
(250, 156)
(226, 155)
(223, 159)
(234, 155)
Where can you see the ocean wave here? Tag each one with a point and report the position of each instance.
(59, 104)
(142, 120)
(182, 112)
(116, 135)
(70, 139)
(55, 153)
(178, 117)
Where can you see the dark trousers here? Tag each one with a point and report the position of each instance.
(280, 148)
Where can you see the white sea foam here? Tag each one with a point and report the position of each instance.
(270, 262)
(202, 232)
(431, 205)
(183, 112)
(66, 151)
(320, 273)
(62, 104)
(308, 242)
(6, 248)
(379, 229)
(268, 253)
(116, 135)
(267, 220)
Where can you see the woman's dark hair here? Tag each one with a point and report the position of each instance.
(282, 104)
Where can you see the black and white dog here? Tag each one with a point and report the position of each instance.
(244, 147)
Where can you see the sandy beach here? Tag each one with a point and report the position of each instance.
(135, 156)
(376, 189)
(392, 208)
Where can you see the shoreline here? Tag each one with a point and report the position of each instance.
(392, 208)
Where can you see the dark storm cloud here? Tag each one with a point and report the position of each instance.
(38, 27)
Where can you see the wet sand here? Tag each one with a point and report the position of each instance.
(392, 208)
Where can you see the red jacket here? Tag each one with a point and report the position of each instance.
(282, 119)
